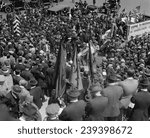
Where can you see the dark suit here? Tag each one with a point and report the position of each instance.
(37, 94)
(15, 102)
(16, 79)
(5, 115)
(20, 67)
(114, 94)
(73, 112)
(27, 75)
(95, 107)
(142, 103)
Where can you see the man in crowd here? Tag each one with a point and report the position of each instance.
(74, 111)
(96, 106)
(141, 101)
(114, 94)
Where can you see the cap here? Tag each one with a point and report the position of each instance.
(52, 109)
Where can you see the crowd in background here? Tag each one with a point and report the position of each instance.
(121, 67)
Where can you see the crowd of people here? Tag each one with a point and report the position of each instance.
(121, 68)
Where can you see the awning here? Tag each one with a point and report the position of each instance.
(92, 7)
(58, 8)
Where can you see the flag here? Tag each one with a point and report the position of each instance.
(91, 64)
(75, 78)
(16, 25)
(60, 73)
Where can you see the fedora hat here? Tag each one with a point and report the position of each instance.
(95, 88)
(73, 92)
(130, 71)
(147, 72)
(143, 81)
(33, 82)
(16, 89)
(112, 77)
(5, 70)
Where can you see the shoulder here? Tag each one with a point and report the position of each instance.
(108, 88)
(79, 104)
(98, 101)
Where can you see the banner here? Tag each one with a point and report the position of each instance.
(138, 29)
(76, 79)
(60, 73)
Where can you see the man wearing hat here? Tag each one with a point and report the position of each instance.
(14, 95)
(52, 112)
(130, 86)
(3, 58)
(16, 77)
(36, 92)
(142, 102)
(114, 94)
(5, 115)
(147, 72)
(30, 112)
(3, 87)
(8, 78)
(96, 106)
(75, 110)
(26, 74)
(20, 66)
(25, 96)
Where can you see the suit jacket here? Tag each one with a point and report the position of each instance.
(95, 107)
(37, 94)
(129, 88)
(16, 79)
(73, 112)
(114, 94)
(15, 102)
(19, 67)
(142, 103)
(27, 75)
(5, 115)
